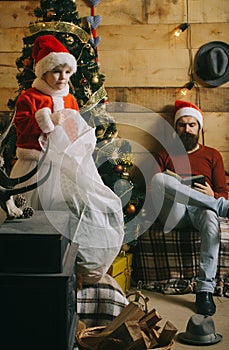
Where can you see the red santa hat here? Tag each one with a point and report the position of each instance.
(183, 108)
(48, 53)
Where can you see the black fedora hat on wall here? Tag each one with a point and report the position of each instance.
(200, 330)
(212, 63)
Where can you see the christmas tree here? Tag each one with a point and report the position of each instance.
(112, 155)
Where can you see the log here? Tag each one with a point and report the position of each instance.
(151, 318)
(142, 343)
(129, 332)
(167, 334)
(131, 312)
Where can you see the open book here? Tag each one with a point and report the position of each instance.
(187, 180)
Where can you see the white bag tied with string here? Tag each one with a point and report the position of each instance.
(76, 186)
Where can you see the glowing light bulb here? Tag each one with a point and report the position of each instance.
(181, 29)
(177, 32)
(184, 90)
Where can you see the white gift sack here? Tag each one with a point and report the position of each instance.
(75, 185)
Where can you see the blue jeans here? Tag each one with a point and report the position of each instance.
(179, 206)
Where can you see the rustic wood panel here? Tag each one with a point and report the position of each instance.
(11, 39)
(6, 94)
(17, 13)
(145, 68)
(160, 36)
(208, 11)
(166, 11)
(161, 11)
(216, 128)
(155, 99)
(162, 99)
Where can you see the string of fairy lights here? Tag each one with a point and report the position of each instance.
(184, 90)
(177, 33)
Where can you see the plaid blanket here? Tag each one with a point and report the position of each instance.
(98, 304)
(169, 262)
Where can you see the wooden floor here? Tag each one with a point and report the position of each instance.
(179, 308)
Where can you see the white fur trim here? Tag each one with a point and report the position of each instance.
(54, 59)
(43, 118)
(189, 111)
(58, 103)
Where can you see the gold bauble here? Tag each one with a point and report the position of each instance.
(69, 40)
(95, 79)
(131, 209)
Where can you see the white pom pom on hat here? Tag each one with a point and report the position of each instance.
(48, 53)
(183, 108)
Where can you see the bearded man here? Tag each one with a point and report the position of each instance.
(199, 205)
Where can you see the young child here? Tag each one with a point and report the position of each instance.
(47, 111)
(36, 108)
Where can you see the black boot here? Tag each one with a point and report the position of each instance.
(205, 303)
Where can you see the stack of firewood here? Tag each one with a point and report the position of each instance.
(133, 329)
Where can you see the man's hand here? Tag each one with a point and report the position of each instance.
(206, 189)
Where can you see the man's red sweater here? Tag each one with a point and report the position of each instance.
(205, 161)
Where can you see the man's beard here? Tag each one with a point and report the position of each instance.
(189, 141)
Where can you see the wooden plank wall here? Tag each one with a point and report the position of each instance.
(144, 63)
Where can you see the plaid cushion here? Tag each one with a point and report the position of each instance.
(160, 256)
(98, 304)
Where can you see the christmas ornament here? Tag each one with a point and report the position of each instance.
(118, 168)
(27, 62)
(125, 175)
(28, 212)
(51, 14)
(94, 2)
(83, 81)
(128, 159)
(131, 209)
(95, 41)
(19, 201)
(87, 46)
(87, 91)
(94, 21)
(69, 40)
(95, 79)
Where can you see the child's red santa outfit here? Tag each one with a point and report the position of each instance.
(36, 105)
(74, 184)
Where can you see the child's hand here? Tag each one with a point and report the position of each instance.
(57, 118)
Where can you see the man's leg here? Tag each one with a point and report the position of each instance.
(165, 191)
(173, 190)
(170, 213)
(206, 221)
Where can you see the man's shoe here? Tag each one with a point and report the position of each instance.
(205, 303)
